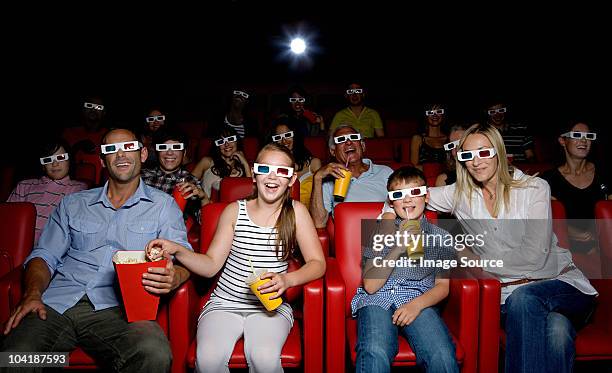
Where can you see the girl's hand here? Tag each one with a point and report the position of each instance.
(278, 284)
(156, 248)
(406, 314)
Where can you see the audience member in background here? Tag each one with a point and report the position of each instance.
(579, 185)
(449, 176)
(70, 283)
(368, 180)
(153, 122)
(517, 139)
(227, 160)
(46, 193)
(88, 135)
(429, 146)
(307, 122)
(169, 173)
(236, 117)
(305, 164)
(366, 120)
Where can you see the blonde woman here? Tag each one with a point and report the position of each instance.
(544, 296)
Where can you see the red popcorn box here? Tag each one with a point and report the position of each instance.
(139, 304)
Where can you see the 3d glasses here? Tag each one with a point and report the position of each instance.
(166, 147)
(266, 169)
(356, 91)
(577, 135)
(128, 146)
(284, 135)
(344, 138)
(468, 155)
(241, 94)
(158, 118)
(429, 113)
(297, 99)
(394, 195)
(54, 158)
(224, 140)
(501, 110)
(89, 105)
(451, 145)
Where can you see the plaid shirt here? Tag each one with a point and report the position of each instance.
(161, 180)
(404, 283)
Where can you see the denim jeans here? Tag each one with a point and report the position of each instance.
(377, 342)
(540, 320)
(115, 344)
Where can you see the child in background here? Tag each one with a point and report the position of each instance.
(402, 299)
(261, 231)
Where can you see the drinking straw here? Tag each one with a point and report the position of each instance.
(251, 264)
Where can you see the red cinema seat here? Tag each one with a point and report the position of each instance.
(401, 127)
(460, 310)
(17, 223)
(317, 147)
(603, 214)
(235, 188)
(204, 148)
(304, 345)
(250, 148)
(87, 173)
(7, 176)
(432, 169)
(92, 160)
(381, 150)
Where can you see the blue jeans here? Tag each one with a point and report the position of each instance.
(540, 322)
(377, 342)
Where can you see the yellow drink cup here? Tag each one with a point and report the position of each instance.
(254, 281)
(341, 185)
(415, 249)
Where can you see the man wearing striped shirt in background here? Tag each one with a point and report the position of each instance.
(517, 138)
(46, 192)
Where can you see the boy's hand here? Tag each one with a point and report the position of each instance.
(406, 314)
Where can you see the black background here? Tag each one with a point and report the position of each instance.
(550, 64)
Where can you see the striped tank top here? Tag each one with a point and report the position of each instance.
(250, 240)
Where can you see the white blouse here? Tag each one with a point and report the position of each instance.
(521, 235)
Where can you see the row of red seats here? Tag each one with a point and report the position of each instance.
(324, 331)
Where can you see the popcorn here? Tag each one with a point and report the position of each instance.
(154, 252)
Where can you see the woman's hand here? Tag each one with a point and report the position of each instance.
(156, 248)
(278, 284)
(406, 314)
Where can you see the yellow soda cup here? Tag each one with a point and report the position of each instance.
(341, 185)
(254, 281)
(415, 249)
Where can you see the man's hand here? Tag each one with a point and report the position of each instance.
(30, 303)
(406, 314)
(189, 190)
(333, 169)
(161, 280)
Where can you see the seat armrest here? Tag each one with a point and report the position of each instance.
(181, 328)
(313, 326)
(461, 316)
(335, 336)
(324, 239)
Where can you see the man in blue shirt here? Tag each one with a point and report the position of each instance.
(368, 180)
(70, 297)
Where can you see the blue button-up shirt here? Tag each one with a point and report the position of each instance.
(405, 283)
(85, 230)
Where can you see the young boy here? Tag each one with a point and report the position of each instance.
(396, 299)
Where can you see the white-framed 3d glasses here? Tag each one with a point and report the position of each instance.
(344, 138)
(284, 135)
(266, 169)
(90, 105)
(166, 147)
(501, 110)
(54, 158)
(355, 91)
(394, 195)
(577, 135)
(223, 140)
(429, 113)
(128, 146)
(241, 94)
(451, 145)
(154, 118)
(297, 99)
(468, 155)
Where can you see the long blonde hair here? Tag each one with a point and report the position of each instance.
(286, 241)
(466, 184)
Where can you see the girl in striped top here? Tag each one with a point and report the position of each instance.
(261, 230)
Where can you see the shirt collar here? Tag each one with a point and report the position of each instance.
(46, 180)
(141, 193)
(370, 169)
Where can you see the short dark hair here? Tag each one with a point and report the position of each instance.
(406, 174)
(167, 134)
(53, 145)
